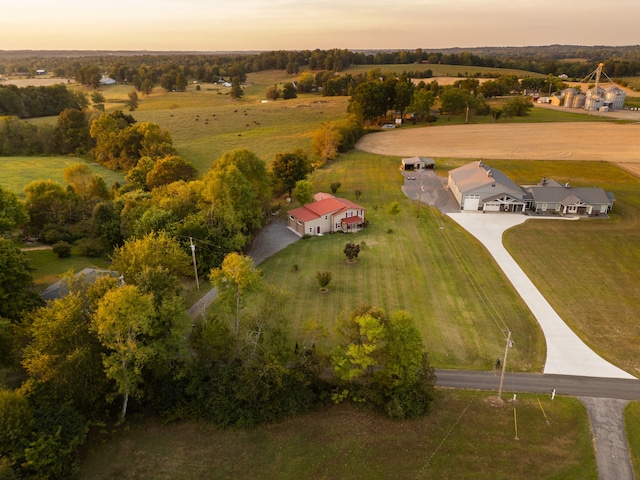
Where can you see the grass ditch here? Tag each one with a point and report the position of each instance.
(467, 435)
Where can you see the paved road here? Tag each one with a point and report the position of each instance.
(604, 398)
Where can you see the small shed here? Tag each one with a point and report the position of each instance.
(418, 163)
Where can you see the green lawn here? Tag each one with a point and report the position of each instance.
(17, 172)
(428, 266)
(466, 436)
(49, 267)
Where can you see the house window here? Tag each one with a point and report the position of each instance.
(310, 229)
(543, 207)
(291, 217)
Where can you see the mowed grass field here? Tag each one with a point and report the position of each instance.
(428, 266)
(466, 436)
(18, 172)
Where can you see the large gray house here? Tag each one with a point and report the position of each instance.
(477, 186)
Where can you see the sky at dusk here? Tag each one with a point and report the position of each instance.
(206, 25)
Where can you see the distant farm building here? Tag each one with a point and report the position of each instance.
(418, 163)
(107, 80)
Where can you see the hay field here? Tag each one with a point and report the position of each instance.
(610, 142)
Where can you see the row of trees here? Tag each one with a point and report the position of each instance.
(27, 102)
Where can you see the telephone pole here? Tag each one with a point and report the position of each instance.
(504, 364)
(195, 265)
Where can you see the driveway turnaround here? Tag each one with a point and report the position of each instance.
(566, 353)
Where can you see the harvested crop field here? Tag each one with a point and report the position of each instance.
(617, 143)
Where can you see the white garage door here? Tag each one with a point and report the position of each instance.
(471, 203)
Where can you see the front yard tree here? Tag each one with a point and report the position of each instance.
(288, 168)
(334, 187)
(324, 279)
(352, 250)
(370, 100)
(123, 319)
(236, 276)
(517, 107)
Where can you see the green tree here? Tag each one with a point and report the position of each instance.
(382, 361)
(72, 132)
(146, 87)
(48, 202)
(334, 187)
(289, 91)
(324, 279)
(122, 320)
(517, 107)
(155, 252)
(306, 82)
(288, 168)
(169, 169)
(404, 90)
(236, 276)
(422, 102)
(456, 100)
(16, 281)
(352, 250)
(13, 213)
(79, 176)
(303, 192)
(16, 425)
(181, 82)
(132, 103)
(98, 100)
(236, 89)
(370, 100)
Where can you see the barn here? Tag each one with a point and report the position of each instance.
(418, 163)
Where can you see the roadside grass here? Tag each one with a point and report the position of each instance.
(632, 423)
(588, 270)
(467, 435)
(18, 172)
(428, 266)
(49, 268)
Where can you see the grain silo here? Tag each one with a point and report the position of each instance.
(614, 97)
(569, 95)
(579, 100)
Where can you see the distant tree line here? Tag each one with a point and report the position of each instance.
(135, 68)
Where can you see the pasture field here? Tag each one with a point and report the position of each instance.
(18, 172)
(467, 435)
(461, 71)
(428, 266)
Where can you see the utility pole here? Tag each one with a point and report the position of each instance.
(420, 196)
(504, 364)
(195, 265)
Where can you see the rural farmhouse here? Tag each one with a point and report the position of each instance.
(326, 214)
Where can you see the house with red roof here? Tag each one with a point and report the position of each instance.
(326, 214)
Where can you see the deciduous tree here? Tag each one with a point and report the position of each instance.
(288, 168)
(122, 320)
(236, 276)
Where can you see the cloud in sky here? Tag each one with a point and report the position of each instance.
(296, 24)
